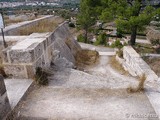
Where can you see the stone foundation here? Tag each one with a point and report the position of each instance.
(4, 102)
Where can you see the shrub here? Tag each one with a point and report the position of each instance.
(41, 76)
(117, 44)
(81, 38)
(101, 40)
(2, 72)
(155, 41)
(86, 57)
(140, 86)
(72, 25)
(120, 53)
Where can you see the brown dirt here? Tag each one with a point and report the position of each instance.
(86, 57)
(117, 66)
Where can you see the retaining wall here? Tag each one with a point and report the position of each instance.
(136, 65)
(40, 50)
(14, 29)
(4, 102)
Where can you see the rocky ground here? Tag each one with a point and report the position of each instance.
(99, 93)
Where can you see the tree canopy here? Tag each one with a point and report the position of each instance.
(87, 15)
(130, 15)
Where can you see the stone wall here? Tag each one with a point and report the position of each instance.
(40, 50)
(14, 29)
(136, 65)
(4, 102)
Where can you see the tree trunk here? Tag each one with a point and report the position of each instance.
(86, 35)
(133, 35)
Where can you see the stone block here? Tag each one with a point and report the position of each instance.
(49, 41)
(5, 55)
(52, 37)
(38, 63)
(16, 71)
(49, 54)
(21, 56)
(30, 71)
(43, 61)
(38, 51)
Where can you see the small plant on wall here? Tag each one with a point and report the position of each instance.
(41, 76)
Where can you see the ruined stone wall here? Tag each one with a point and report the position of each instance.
(136, 65)
(39, 50)
(4, 102)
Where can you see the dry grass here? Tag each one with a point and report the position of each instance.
(10, 21)
(42, 26)
(2, 72)
(86, 57)
(120, 53)
(140, 86)
(117, 66)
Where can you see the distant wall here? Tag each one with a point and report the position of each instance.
(14, 29)
(136, 65)
(40, 50)
(4, 102)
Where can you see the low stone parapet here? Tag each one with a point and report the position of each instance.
(136, 65)
(14, 29)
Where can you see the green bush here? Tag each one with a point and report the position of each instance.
(117, 44)
(81, 38)
(120, 53)
(101, 40)
(41, 76)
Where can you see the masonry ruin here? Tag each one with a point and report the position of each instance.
(26, 53)
(39, 50)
